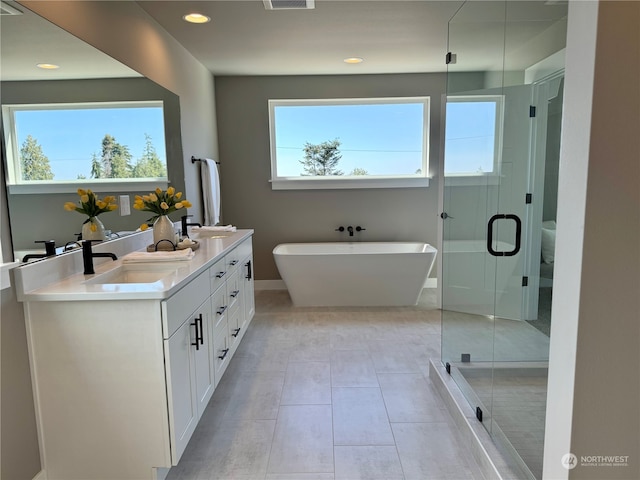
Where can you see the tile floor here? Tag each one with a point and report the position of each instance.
(330, 394)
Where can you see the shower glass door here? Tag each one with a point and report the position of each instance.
(496, 147)
(472, 167)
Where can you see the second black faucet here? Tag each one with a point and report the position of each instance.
(350, 229)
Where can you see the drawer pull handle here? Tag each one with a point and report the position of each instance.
(220, 311)
(220, 274)
(249, 274)
(235, 334)
(234, 294)
(199, 320)
(196, 343)
(224, 354)
(233, 262)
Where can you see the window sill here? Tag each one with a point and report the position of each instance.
(310, 183)
(471, 180)
(98, 187)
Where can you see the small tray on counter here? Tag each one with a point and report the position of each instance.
(166, 247)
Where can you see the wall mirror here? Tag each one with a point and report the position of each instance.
(84, 75)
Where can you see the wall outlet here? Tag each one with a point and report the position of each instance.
(125, 207)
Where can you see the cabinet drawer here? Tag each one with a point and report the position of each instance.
(178, 307)
(244, 249)
(232, 260)
(235, 330)
(221, 350)
(219, 306)
(233, 289)
(218, 274)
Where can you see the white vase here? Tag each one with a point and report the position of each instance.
(93, 229)
(163, 229)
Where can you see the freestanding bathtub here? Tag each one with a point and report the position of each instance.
(354, 274)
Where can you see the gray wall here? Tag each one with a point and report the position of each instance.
(41, 216)
(606, 401)
(397, 214)
(594, 355)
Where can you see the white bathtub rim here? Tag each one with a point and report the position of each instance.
(353, 248)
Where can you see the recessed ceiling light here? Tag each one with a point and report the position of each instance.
(196, 18)
(47, 66)
(353, 60)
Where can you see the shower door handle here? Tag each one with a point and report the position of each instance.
(507, 216)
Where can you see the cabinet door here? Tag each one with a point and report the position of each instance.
(249, 303)
(204, 376)
(180, 371)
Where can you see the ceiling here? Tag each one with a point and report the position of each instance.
(27, 39)
(244, 38)
(392, 36)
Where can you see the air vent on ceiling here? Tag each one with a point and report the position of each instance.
(6, 9)
(289, 4)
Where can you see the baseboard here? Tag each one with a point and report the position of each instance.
(161, 473)
(40, 476)
(280, 285)
(269, 285)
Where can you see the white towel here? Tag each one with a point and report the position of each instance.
(210, 191)
(218, 228)
(169, 256)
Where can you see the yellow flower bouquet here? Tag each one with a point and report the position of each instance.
(161, 203)
(91, 206)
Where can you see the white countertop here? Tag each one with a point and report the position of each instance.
(75, 287)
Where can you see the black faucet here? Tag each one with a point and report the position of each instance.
(186, 224)
(71, 245)
(88, 255)
(49, 250)
(350, 230)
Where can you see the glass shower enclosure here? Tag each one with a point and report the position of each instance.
(504, 86)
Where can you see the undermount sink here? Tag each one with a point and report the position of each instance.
(205, 234)
(138, 273)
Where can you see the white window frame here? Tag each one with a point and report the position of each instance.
(477, 178)
(15, 185)
(351, 181)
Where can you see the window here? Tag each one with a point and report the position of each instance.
(62, 145)
(473, 135)
(349, 143)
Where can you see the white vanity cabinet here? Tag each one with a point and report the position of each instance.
(121, 382)
(199, 351)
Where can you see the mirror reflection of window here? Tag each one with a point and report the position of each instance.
(101, 142)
